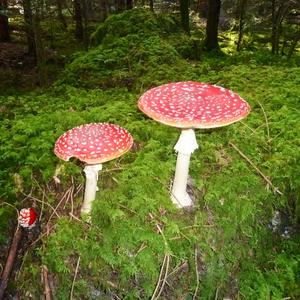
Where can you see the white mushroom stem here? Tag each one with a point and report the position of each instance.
(185, 146)
(91, 174)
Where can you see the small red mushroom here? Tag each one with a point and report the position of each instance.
(189, 105)
(93, 144)
(27, 217)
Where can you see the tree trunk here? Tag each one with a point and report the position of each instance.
(202, 8)
(120, 5)
(78, 20)
(129, 4)
(211, 42)
(28, 18)
(184, 12)
(60, 14)
(151, 4)
(103, 10)
(278, 14)
(39, 49)
(242, 12)
(293, 45)
(4, 27)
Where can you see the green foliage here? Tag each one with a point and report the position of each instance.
(130, 48)
(135, 21)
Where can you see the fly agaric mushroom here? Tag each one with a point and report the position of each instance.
(93, 144)
(189, 105)
(27, 217)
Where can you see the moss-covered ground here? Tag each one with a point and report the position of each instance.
(241, 175)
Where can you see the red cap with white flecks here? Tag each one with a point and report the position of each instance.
(27, 217)
(193, 105)
(93, 143)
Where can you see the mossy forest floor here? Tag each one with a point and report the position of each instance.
(241, 240)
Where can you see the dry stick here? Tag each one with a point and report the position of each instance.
(42, 208)
(275, 189)
(77, 219)
(75, 275)
(38, 200)
(42, 235)
(266, 119)
(71, 188)
(251, 129)
(72, 195)
(6, 203)
(197, 274)
(65, 195)
(10, 261)
(165, 277)
(160, 284)
(47, 289)
(178, 268)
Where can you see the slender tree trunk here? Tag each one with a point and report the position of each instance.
(4, 27)
(39, 48)
(202, 8)
(211, 42)
(242, 12)
(60, 14)
(129, 4)
(78, 20)
(278, 14)
(103, 10)
(293, 45)
(151, 4)
(184, 12)
(85, 23)
(120, 5)
(28, 18)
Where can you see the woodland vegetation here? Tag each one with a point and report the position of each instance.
(65, 63)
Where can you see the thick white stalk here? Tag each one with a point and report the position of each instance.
(185, 146)
(91, 174)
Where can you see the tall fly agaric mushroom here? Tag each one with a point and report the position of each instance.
(189, 105)
(93, 144)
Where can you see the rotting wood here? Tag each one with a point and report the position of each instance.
(47, 289)
(10, 261)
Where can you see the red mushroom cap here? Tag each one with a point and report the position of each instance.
(27, 217)
(93, 143)
(193, 105)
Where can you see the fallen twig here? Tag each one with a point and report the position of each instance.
(65, 195)
(275, 189)
(266, 119)
(10, 261)
(178, 268)
(79, 220)
(197, 275)
(75, 275)
(45, 202)
(165, 265)
(42, 235)
(162, 277)
(47, 290)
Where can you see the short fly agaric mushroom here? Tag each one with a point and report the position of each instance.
(27, 217)
(93, 144)
(189, 105)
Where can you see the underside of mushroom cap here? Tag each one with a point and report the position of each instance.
(93, 143)
(193, 105)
